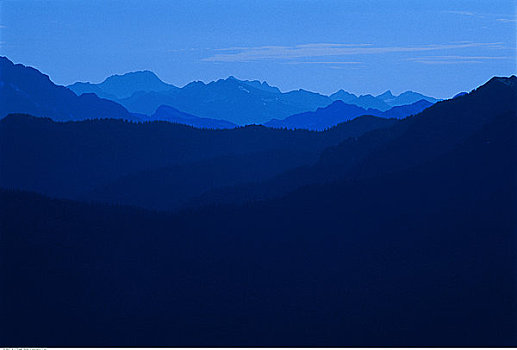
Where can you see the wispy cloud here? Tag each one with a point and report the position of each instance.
(450, 59)
(466, 13)
(462, 13)
(325, 62)
(490, 16)
(507, 20)
(319, 50)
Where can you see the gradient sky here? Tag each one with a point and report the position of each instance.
(437, 47)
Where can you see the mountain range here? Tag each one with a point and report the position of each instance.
(238, 101)
(142, 96)
(376, 232)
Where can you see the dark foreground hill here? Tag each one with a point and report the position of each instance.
(424, 256)
(158, 164)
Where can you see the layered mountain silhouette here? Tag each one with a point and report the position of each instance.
(400, 236)
(338, 112)
(238, 101)
(149, 209)
(26, 90)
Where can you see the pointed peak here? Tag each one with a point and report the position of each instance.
(386, 95)
(342, 92)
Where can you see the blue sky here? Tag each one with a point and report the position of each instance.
(435, 47)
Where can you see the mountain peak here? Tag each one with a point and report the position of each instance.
(125, 85)
(143, 76)
(386, 95)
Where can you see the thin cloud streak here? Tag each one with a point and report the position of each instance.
(457, 59)
(507, 20)
(447, 62)
(460, 58)
(462, 13)
(324, 62)
(260, 53)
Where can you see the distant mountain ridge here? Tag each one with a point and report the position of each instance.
(238, 101)
(364, 101)
(405, 98)
(382, 102)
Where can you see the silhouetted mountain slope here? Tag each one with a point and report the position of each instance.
(123, 86)
(74, 158)
(80, 88)
(322, 118)
(171, 114)
(239, 102)
(400, 112)
(338, 112)
(409, 142)
(424, 256)
(26, 90)
(436, 130)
